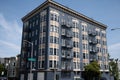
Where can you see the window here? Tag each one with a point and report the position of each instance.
(83, 55)
(33, 23)
(34, 65)
(43, 64)
(74, 54)
(54, 29)
(83, 28)
(35, 42)
(55, 51)
(42, 40)
(43, 17)
(37, 22)
(41, 52)
(63, 42)
(54, 39)
(35, 53)
(32, 33)
(75, 44)
(51, 51)
(51, 28)
(54, 17)
(44, 28)
(63, 52)
(55, 64)
(50, 64)
(29, 35)
(74, 65)
(36, 32)
(30, 25)
(51, 16)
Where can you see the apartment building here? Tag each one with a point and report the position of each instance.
(57, 42)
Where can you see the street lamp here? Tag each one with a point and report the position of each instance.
(31, 57)
(114, 29)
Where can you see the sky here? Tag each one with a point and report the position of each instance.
(11, 12)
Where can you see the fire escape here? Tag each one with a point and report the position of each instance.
(66, 50)
(92, 45)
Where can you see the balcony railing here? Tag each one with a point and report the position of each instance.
(67, 25)
(67, 44)
(67, 55)
(94, 41)
(66, 33)
(92, 33)
(66, 67)
(93, 50)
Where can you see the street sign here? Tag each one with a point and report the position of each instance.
(31, 59)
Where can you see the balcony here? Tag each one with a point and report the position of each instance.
(92, 58)
(93, 50)
(67, 55)
(66, 67)
(67, 44)
(69, 33)
(94, 41)
(66, 33)
(92, 33)
(66, 25)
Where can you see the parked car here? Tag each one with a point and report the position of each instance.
(3, 78)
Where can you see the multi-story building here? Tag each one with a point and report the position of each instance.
(11, 71)
(12, 65)
(62, 41)
(2, 61)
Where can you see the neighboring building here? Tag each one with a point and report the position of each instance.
(12, 67)
(64, 41)
(2, 61)
(17, 66)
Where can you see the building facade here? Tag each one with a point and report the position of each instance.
(12, 65)
(64, 41)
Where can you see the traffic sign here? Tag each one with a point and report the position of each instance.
(31, 59)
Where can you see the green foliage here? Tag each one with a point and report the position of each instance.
(1, 68)
(92, 71)
(114, 70)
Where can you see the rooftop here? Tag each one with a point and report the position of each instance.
(51, 2)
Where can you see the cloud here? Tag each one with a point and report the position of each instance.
(9, 44)
(114, 50)
(10, 37)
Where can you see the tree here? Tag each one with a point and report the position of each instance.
(114, 70)
(3, 71)
(92, 71)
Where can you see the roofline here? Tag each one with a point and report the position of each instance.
(67, 9)
(34, 10)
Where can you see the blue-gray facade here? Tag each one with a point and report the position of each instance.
(64, 41)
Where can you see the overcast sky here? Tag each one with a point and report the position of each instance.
(11, 12)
